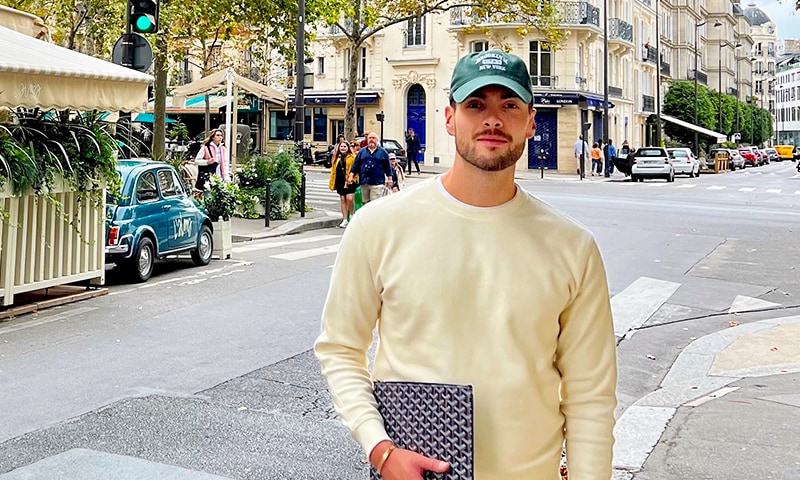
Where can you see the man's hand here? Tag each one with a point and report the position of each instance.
(351, 178)
(405, 464)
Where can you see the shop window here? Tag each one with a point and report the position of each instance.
(280, 125)
(320, 125)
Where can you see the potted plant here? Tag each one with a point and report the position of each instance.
(219, 202)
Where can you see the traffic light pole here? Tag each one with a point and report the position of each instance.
(299, 101)
(127, 41)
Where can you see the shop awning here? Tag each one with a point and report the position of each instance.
(34, 73)
(148, 118)
(568, 98)
(217, 82)
(312, 97)
(718, 137)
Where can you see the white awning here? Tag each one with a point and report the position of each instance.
(34, 73)
(718, 137)
(217, 81)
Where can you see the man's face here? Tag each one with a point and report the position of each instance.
(491, 127)
(372, 140)
(411, 131)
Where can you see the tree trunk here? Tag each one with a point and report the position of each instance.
(160, 101)
(352, 88)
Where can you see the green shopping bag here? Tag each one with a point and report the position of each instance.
(358, 203)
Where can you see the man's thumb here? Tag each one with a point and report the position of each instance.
(433, 465)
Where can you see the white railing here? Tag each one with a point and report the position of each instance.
(43, 244)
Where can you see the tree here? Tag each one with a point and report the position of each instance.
(358, 20)
(680, 103)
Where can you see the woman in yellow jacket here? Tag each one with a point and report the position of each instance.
(341, 164)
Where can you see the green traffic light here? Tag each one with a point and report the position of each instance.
(144, 24)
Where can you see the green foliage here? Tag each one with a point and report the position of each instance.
(219, 199)
(283, 173)
(179, 132)
(246, 201)
(288, 170)
(255, 171)
(280, 198)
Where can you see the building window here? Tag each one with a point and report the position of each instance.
(479, 46)
(360, 120)
(307, 121)
(280, 125)
(540, 61)
(758, 86)
(320, 124)
(415, 32)
(320, 65)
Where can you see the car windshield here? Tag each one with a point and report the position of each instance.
(678, 153)
(650, 152)
(391, 144)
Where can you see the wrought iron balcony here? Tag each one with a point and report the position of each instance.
(649, 54)
(615, 92)
(665, 68)
(701, 77)
(579, 13)
(648, 103)
(544, 81)
(619, 29)
(464, 16)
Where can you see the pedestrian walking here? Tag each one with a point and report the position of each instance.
(212, 158)
(413, 147)
(581, 151)
(398, 176)
(341, 163)
(373, 169)
(597, 159)
(629, 159)
(611, 154)
(525, 317)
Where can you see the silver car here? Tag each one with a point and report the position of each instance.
(684, 161)
(652, 162)
(737, 160)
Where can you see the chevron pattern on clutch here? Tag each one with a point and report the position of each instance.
(433, 419)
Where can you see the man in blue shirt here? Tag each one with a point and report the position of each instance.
(373, 169)
(611, 154)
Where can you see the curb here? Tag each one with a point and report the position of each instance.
(291, 227)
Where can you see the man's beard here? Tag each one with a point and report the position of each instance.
(492, 162)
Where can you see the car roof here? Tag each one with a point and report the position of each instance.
(129, 166)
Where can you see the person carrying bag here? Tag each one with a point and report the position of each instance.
(211, 159)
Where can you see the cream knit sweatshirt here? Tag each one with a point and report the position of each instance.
(512, 300)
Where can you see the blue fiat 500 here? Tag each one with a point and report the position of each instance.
(154, 218)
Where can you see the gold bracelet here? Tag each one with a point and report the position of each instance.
(385, 457)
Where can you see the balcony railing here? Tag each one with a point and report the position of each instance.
(649, 54)
(544, 81)
(615, 92)
(665, 68)
(648, 103)
(620, 29)
(701, 77)
(463, 16)
(579, 13)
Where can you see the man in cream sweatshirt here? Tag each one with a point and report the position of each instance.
(470, 280)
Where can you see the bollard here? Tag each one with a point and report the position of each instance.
(303, 195)
(267, 203)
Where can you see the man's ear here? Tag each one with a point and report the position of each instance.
(531, 124)
(448, 120)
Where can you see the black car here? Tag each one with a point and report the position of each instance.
(392, 146)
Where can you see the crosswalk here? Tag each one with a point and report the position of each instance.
(319, 194)
(289, 250)
(723, 188)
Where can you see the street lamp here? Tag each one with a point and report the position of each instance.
(738, 58)
(697, 26)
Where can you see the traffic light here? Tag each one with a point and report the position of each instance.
(144, 16)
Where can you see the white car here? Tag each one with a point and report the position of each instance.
(684, 161)
(652, 162)
(737, 160)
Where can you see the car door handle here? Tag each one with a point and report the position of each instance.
(166, 207)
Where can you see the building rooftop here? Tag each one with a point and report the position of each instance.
(756, 15)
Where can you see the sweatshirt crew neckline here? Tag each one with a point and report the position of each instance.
(451, 203)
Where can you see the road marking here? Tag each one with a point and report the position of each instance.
(637, 432)
(638, 302)
(797, 192)
(312, 252)
(267, 245)
(717, 187)
(743, 304)
(773, 190)
(45, 320)
(746, 189)
(687, 185)
(711, 396)
(657, 184)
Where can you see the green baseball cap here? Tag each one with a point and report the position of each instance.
(492, 67)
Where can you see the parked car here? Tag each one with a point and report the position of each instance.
(684, 161)
(652, 162)
(392, 146)
(749, 156)
(785, 152)
(154, 218)
(760, 157)
(772, 155)
(737, 160)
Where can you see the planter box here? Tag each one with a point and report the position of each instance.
(39, 248)
(223, 241)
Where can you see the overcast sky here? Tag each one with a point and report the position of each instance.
(783, 13)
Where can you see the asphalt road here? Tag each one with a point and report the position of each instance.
(209, 369)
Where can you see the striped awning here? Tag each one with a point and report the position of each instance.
(34, 73)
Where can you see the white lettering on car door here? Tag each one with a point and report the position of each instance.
(183, 227)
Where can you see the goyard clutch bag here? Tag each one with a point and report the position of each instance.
(433, 419)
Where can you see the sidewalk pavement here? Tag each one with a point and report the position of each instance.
(709, 368)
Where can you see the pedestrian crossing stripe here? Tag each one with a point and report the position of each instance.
(687, 185)
(746, 189)
(716, 187)
(773, 190)
(267, 245)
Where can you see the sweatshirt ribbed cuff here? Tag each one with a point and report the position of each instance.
(369, 434)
